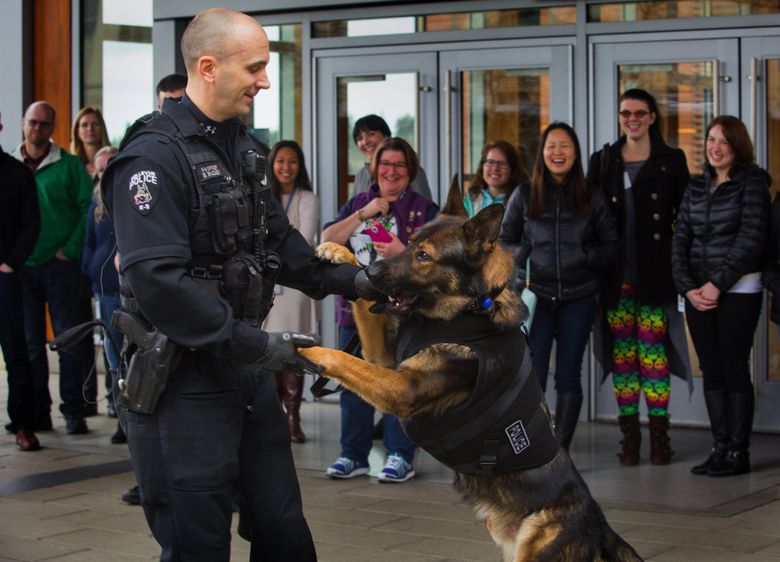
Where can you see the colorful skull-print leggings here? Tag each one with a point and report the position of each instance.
(638, 354)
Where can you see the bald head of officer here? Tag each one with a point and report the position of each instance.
(226, 54)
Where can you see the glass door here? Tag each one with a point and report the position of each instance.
(492, 94)
(398, 86)
(761, 113)
(693, 81)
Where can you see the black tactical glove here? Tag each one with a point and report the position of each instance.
(281, 353)
(365, 289)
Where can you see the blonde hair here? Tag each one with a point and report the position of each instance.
(100, 205)
(76, 146)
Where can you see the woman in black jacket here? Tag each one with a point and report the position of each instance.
(718, 255)
(640, 338)
(567, 234)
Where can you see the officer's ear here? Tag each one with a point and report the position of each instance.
(207, 67)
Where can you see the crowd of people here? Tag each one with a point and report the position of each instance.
(608, 252)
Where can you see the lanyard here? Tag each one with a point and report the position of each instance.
(290, 200)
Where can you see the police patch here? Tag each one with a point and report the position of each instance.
(518, 438)
(143, 190)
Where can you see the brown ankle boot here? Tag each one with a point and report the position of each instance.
(660, 450)
(293, 390)
(632, 439)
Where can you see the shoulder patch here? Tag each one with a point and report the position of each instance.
(143, 190)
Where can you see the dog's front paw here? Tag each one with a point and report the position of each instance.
(336, 253)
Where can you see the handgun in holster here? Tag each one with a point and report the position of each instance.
(152, 358)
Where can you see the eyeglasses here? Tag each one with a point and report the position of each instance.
(500, 164)
(397, 165)
(639, 113)
(42, 124)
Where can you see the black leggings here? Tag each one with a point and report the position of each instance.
(723, 338)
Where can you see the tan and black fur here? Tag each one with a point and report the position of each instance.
(542, 514)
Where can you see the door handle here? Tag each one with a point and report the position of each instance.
(448, 90)
(715, 87)
(754, 78)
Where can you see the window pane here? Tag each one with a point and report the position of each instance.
(393, 97)
(121, 12)
(127, 85)
(556, 15)
(635, 11)
(684, 94)
(511, 105)
(276, 112)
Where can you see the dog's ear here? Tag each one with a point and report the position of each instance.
(481, 232)
(454, 206)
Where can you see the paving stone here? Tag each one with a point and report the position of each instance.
(22, 549)
(132, 522)
(332, 533)
(715, 539)
(692, 554)
(100, 555)
(434, 528)
(127, 543)
(671, 519)
(11, 505)
(32, 527)
(444, 512)
(351, 517)
(477, 551)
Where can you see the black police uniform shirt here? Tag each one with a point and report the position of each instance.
(149, 190)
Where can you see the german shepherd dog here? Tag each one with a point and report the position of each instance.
(544, 513)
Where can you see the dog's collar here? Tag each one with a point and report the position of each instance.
(485, 303)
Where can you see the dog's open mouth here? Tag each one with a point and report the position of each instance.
(402, 303)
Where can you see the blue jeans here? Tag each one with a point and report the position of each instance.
(21, 399)
(108, 304)
(568, 323)
(55, 282)
(357, 423)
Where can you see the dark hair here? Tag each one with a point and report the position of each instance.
(579, 198)
(736, 133)
(301, 180)
(517, 171)
(652, 105)
(370, 123)
(171, 83)
(399, 144)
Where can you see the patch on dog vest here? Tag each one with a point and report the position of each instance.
(518, 438)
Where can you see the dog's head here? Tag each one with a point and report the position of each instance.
(451, 265)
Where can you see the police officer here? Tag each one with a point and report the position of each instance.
(195, 234)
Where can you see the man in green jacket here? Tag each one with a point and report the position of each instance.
(52, 272)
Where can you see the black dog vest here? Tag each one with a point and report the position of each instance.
(503, 426)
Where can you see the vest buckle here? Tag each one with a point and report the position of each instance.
(489, 457)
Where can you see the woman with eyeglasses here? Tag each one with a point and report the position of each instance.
(376, 224)
(567, 234)
(718, 255)
(498, 174)
(640, 338)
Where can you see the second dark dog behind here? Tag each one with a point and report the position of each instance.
(450, 360)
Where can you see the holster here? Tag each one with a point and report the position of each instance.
(147, 361)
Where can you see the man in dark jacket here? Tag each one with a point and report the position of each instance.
(20, 223)
(187, 200)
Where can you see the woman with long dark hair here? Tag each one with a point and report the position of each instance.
(566, 234)
(292, 309)
(718, 255)
(641, 336)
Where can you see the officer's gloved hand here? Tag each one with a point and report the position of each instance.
(365, 289)
(281, 354)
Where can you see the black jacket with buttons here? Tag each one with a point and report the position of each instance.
(566, 251)
(658, 189)
(721, 235)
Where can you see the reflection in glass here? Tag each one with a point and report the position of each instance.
(127, 85)
(773, 167)
(276, 113)
(393, 97)
(669, 9)
(511, 105)
(554, 15)
(685, 97)
(121, 12)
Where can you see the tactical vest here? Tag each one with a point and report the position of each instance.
(226, 216)
(222, 210)
(504, 424)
